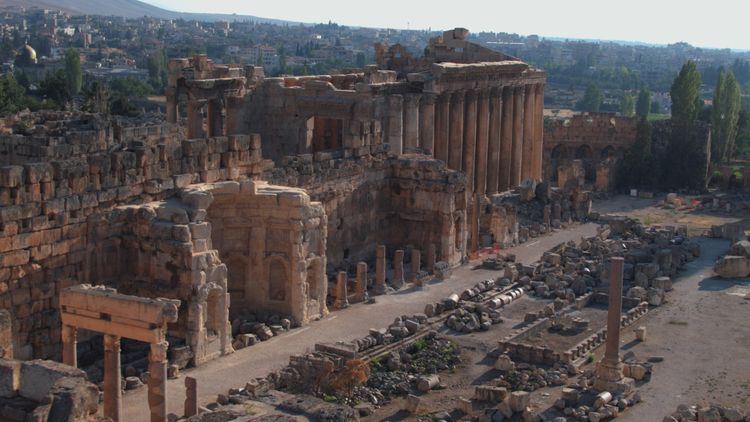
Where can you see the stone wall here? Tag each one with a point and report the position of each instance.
(67, 221)
(589, 137)
(273, 241)
(379, 199)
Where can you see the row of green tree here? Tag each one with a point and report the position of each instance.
(593, 100)
(682, 164)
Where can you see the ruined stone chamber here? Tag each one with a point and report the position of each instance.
(476, 110)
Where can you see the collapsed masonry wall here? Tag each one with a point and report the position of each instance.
(59, 221)
(378, 199)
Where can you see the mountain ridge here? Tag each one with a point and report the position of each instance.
(127, 9)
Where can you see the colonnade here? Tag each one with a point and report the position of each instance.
(494, 135)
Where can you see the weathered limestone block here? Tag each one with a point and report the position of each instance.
(72, 400)
(490, 393)
(38, 377)
(6, 334)
(519, 400)
(732, 266)
(10, 377)
(741, 248)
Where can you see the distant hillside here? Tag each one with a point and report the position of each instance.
(124, 8)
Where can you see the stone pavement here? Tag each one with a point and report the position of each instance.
(236, 369)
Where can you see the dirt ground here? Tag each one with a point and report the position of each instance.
(702, 332)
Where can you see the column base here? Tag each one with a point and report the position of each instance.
(380, 289)
(340, 304)
(609, 378)
(623, 386)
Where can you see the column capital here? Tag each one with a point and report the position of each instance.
(429, 98)
(496, 91)
(485, 93)
(520, 90)
(472, 94)
(412, 99)
(111, 343)
(458, 96)
(158, 352)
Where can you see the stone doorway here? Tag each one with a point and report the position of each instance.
(327, 134)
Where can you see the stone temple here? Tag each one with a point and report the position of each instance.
(268, 189)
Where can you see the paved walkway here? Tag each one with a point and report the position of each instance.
(704, 334)
(236, 369)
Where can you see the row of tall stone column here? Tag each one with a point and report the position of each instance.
(494, 135)
(398, 280)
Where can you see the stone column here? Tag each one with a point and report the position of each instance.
(416, 263)
(112, 378)
(427, 123)
(506, 141)
(215, 119)
(483, 139)
(69, 345)
(517, 154)
(493, 154)
(360, 294)
(380, 270)
(396, 123)
(468, 163)
(538, 132)
(191, 397)
(195, 119)
(609, 369)
(411, 122)
(442, 126)
(157, 381)
(529, 112)
(474, 225)
(172, 101)
(456, 138)
(342, 301)
(398, 269)
(431, 257)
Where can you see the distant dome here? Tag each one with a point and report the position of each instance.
(27, 56)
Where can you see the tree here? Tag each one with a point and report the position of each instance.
(655, 107)
(638, 168)
(685, 94)
(592, 98)
(684, 162)
(361, 60)
(54, 87)
(97, 98)
(12, 95)
(725, 114)
(643, 104)
(627, 106)
(73, 72)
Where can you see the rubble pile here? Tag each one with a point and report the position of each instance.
(713, 413)
(411, 367)
(736, 263)
(250, 329)
(532, 209)
(652, 257)
(43, 390)
(470, 318)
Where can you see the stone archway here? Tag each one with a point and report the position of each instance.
(586, 155)
(608, 152)
(278, 280)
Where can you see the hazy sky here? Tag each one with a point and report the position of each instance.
(716, 23)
